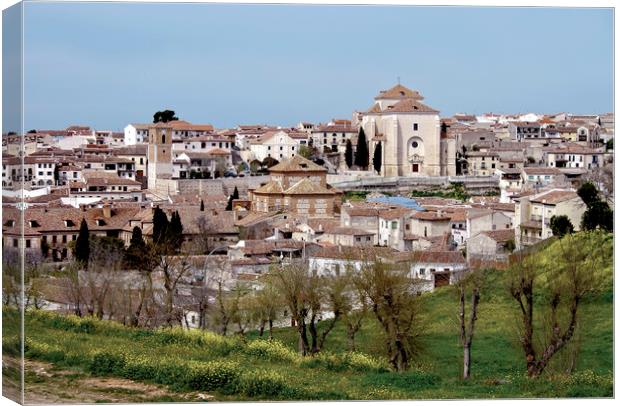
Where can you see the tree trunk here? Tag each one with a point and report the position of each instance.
(261, 328)
(351, 338)
(466, 361)
(270, 329)
(313, 335)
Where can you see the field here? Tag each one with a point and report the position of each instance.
(180, 366)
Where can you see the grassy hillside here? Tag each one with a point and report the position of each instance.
(229, 369)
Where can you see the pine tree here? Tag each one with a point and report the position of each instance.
(376, 159)
(348, 154)
(202, 205)
(82, 244)
(235, 194)
(361, 155)
(160, 226)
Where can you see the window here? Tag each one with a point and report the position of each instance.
(163, 139)
(415, 126)
(414, 144)
(64, 238)
(27, 243)
(394, 225)
(422, 271)
(15, 242)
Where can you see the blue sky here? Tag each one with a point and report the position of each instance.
(107, 65)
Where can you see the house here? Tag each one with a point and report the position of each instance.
(432, 268)
(482, 163)
(573, 156)
(533, 214)
(348, 236)
(490, 249)
(538, 177)
(394, 224)
(98, 186)
(329, 137)
(136, 134)
(55, 227)
(274, 144)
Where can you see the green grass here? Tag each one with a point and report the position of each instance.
(193, 361)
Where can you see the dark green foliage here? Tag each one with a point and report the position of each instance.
(235, 194)
(361, 153)
(561, 225)
(598, 214)
(202, 205)
(137, 251)
(262, 383)
(588, 194)
(269, 162)
(609, 145)
(82, 244)
(160, 226)
(107, 363)
(348, 154)
(229, 205)
(174, 234)
(164, 116)
(376, 159)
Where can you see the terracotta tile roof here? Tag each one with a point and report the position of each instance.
(354, 253)
(535, 170)
(554, 196)
(431, 216)
(348, 231)
(432, 257)
(308, 187)
(409, 106)
(53, 219)
(270, 187)
(297, 164)
(501, 235)
(399, 92)
(396, 213)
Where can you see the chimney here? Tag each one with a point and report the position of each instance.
(107, 210)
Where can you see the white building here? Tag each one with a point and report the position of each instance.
(275, 144)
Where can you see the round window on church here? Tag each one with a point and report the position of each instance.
(414, 144)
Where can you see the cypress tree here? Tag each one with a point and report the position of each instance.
(376, 159)
(348, 154)
(82, 244)
(361, 155)
(229, 204)
(235, 194)
(202, 205)
(160, 226)
(175, 231)
(136, 238)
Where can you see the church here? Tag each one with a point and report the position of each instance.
(413, 142)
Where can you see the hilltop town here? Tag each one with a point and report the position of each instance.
(456, 193)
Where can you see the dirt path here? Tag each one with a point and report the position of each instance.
(45, 383)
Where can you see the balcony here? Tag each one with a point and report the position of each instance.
(530, 240)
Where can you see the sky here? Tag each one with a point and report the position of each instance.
(110, 64)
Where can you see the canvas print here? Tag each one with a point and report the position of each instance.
(297, 202)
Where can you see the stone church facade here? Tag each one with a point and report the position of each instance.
(410, 132)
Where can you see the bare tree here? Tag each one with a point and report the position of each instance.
(603, 179)
(105, 261)
(554, 281)
(268, 304)
(173, 268)
(468, 286)
(290, 281)
(392, 295)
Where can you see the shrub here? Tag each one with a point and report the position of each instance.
(211, 375)
(107, 363)
(349, 361)
(271, 350)
(262, 383)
